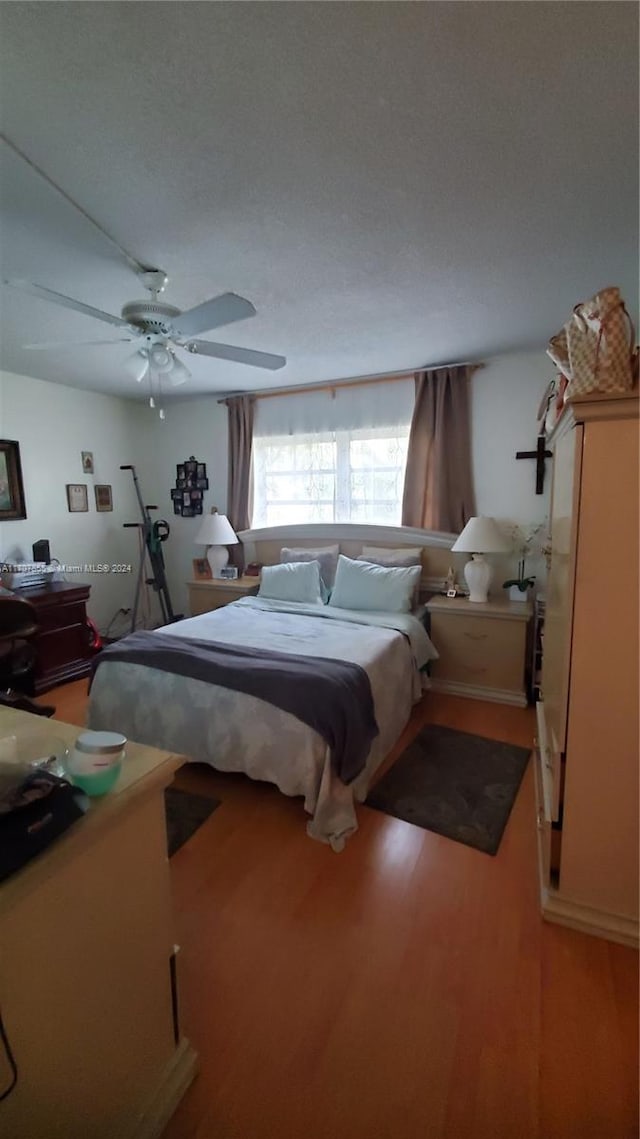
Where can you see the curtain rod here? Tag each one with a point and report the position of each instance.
(356, 381)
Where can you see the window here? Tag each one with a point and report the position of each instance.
(354, 475)
(332, 455)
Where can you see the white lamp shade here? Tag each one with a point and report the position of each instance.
(178, 374)
(216, 530)
(137, 366)
(481, 536)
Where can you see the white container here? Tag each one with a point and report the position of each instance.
(516, 594)
(95, 762)
(95, 752)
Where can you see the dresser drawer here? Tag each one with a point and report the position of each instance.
(206, 596)
(543, 826)
(479, 650)
(62, 616)
(201, 602)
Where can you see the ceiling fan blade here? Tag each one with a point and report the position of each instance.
(76, 343)
(68, 302)
(213, 314)
(238, 355)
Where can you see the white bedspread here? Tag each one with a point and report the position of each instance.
(236, 732)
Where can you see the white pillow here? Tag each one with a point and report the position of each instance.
(293, 581)
(364, 586)
(326, 555)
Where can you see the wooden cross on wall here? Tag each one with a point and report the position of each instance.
(540, 454)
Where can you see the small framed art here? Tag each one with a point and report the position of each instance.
(201, 569)
(104, 499)
(87, 462)
(77, 497)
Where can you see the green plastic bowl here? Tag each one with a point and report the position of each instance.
(99, 783)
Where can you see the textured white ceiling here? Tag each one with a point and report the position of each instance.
(392, 185)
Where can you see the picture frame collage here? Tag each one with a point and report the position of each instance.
(191, 482)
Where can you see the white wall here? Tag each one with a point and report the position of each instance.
(505, 398)
(193, 427)
(53, 424)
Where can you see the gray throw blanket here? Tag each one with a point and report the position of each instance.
(331, 696)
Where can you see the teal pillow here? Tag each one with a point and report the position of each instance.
(367, 587)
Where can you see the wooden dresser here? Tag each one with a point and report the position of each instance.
(207, 595)
(587, 745)
(482, 648)
(88, 979)
(63, 639)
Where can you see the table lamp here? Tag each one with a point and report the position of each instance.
(480, 536)
(217, 533)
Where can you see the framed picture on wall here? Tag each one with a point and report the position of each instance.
(104, 500)
(12, 504)
(77, 497)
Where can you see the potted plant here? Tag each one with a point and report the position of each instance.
(523, 540)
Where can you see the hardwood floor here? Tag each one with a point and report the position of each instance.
(404, 989)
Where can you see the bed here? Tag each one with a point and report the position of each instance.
(236, 731)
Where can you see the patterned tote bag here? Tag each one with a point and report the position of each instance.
(595, 348)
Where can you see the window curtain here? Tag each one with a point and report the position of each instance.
(438, 486)
(240, 410)
(350, 407)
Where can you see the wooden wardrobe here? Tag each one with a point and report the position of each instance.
(587, 743)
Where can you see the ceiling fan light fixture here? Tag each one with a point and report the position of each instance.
(161, 358)
(137, 366)
(179, 374)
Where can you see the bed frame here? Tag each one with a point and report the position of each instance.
(264, 545)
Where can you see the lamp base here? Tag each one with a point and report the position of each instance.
(217, 557)
(477, 574)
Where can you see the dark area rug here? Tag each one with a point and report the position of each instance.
(185, 813)
(458, 785)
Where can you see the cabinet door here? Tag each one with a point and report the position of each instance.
(565, 506)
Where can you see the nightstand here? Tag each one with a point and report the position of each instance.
(482, 648)
(207, 595)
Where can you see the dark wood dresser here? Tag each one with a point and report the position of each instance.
(63, 641)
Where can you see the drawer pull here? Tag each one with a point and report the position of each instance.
(476, 636)
(540, 820)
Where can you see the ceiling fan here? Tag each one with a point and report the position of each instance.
(158, 329)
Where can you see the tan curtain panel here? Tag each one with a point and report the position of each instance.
(438, 485)
(240, 410)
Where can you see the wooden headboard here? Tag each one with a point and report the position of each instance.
(264, 545)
